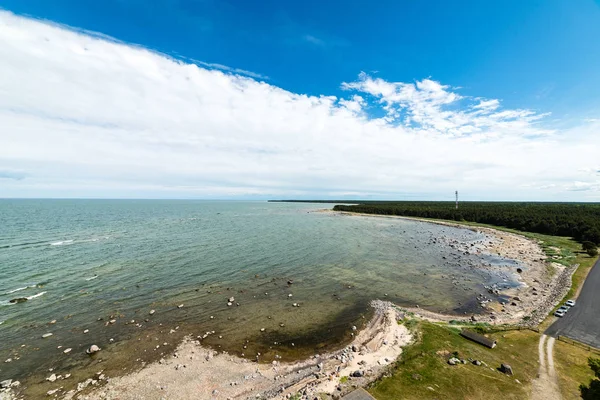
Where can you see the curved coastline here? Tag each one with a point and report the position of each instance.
(523, 303)
(527, 305)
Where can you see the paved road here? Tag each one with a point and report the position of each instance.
(582, 322)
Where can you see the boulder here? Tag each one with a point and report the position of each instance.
(506, 369)
(18, 300)
(93, 349)
(46, 335)
(5, 384)
(453, 361)
(358, 373)
(51, 378)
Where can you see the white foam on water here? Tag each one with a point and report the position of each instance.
(62, 243)
(35, 295)
(18, 289)
(93, 277)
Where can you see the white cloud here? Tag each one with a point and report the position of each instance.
(84, 116)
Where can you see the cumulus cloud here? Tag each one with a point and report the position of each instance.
(84, 116)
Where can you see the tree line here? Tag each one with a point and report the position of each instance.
(581, 221)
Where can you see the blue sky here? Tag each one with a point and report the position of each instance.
(537, 61)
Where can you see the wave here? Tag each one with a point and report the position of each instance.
(35, 295)
(93, 277)
(19, 289)
(62, 243)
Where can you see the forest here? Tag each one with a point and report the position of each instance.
(581, 221)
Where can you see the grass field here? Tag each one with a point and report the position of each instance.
(572, 368)
(423, 372)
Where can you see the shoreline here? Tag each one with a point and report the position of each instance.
(193, 365)
(538, 294)
(193, 371)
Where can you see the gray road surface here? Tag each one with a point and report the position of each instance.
(582, 322)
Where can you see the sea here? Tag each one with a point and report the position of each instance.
(301, 277)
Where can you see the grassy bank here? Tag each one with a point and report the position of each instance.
(423, 372)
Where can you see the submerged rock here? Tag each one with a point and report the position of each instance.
(18, 300)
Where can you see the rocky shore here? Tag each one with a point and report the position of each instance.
(193, 371)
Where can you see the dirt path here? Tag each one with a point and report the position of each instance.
(545, 386)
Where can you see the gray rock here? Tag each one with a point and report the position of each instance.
(18, 300)
(453, 361)
(358, 373)
(46, 335)
(507, 369)
(51, 378)
(93, 349)
(5, 384)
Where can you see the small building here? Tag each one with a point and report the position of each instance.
(476, 337)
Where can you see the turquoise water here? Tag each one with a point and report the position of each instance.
(77, 261)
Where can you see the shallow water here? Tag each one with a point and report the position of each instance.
(80, 260)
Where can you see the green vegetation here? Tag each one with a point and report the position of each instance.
(581, 221)
(423, 372)
(344, 379)
(571, 363)
(592, 391)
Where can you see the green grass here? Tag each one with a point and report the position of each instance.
(423, 365)
(572, 368)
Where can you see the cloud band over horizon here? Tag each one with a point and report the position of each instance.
(85, 116)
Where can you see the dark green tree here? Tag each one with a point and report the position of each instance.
(592, 252)
(592, 390)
